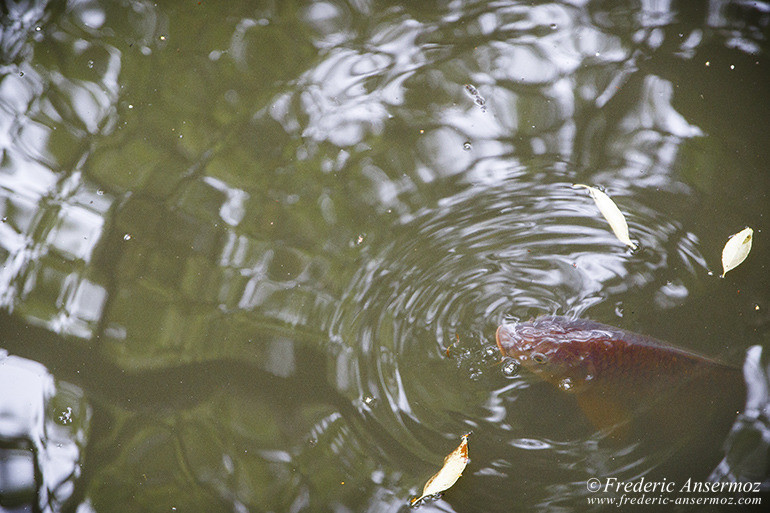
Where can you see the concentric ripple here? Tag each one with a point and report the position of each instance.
(415, 329)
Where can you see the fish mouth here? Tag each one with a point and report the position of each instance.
(497, 339)
(505, 336)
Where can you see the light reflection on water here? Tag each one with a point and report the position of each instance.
(278, 250)
(44, 427)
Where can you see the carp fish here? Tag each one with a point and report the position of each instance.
(624, 381)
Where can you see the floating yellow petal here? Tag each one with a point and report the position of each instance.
(611, 213)
(454, 464)
(736, 250)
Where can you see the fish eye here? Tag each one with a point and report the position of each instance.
(538, 358)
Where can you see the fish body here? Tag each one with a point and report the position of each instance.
(620, 377)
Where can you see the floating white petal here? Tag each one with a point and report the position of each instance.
(736, 250)
(612, 214)
(454, 464)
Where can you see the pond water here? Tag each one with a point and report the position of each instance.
(254, 255)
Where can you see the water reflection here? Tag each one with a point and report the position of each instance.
(293, 235)
(43, 430)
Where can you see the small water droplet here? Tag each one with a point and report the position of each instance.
(127, 237)
(21, 73)
(360, 238)
(490, 351)
(554, 26)
(369, 400)
(467, 146)
(99, 192)
(619, 308)
(566, 384)
(510, 368)
(90, 64)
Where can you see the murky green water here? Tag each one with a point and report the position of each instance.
(254, 254)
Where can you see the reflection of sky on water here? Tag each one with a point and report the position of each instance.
(543, 68)
(284, 180)
(43, 427)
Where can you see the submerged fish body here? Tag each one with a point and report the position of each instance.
(576, 353)
(616, 374)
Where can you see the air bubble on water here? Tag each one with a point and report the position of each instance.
(127, 236)
(490, 351)
(65, 417)
(360, 239)
(566, 384)
(90, 64)
(510, 368)
(99, 192)
(619, 308)
(467, 146)
(554, 26)
(369, 400)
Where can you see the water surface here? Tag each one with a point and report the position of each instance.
(260, 250)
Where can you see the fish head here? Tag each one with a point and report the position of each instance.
(549, 350)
